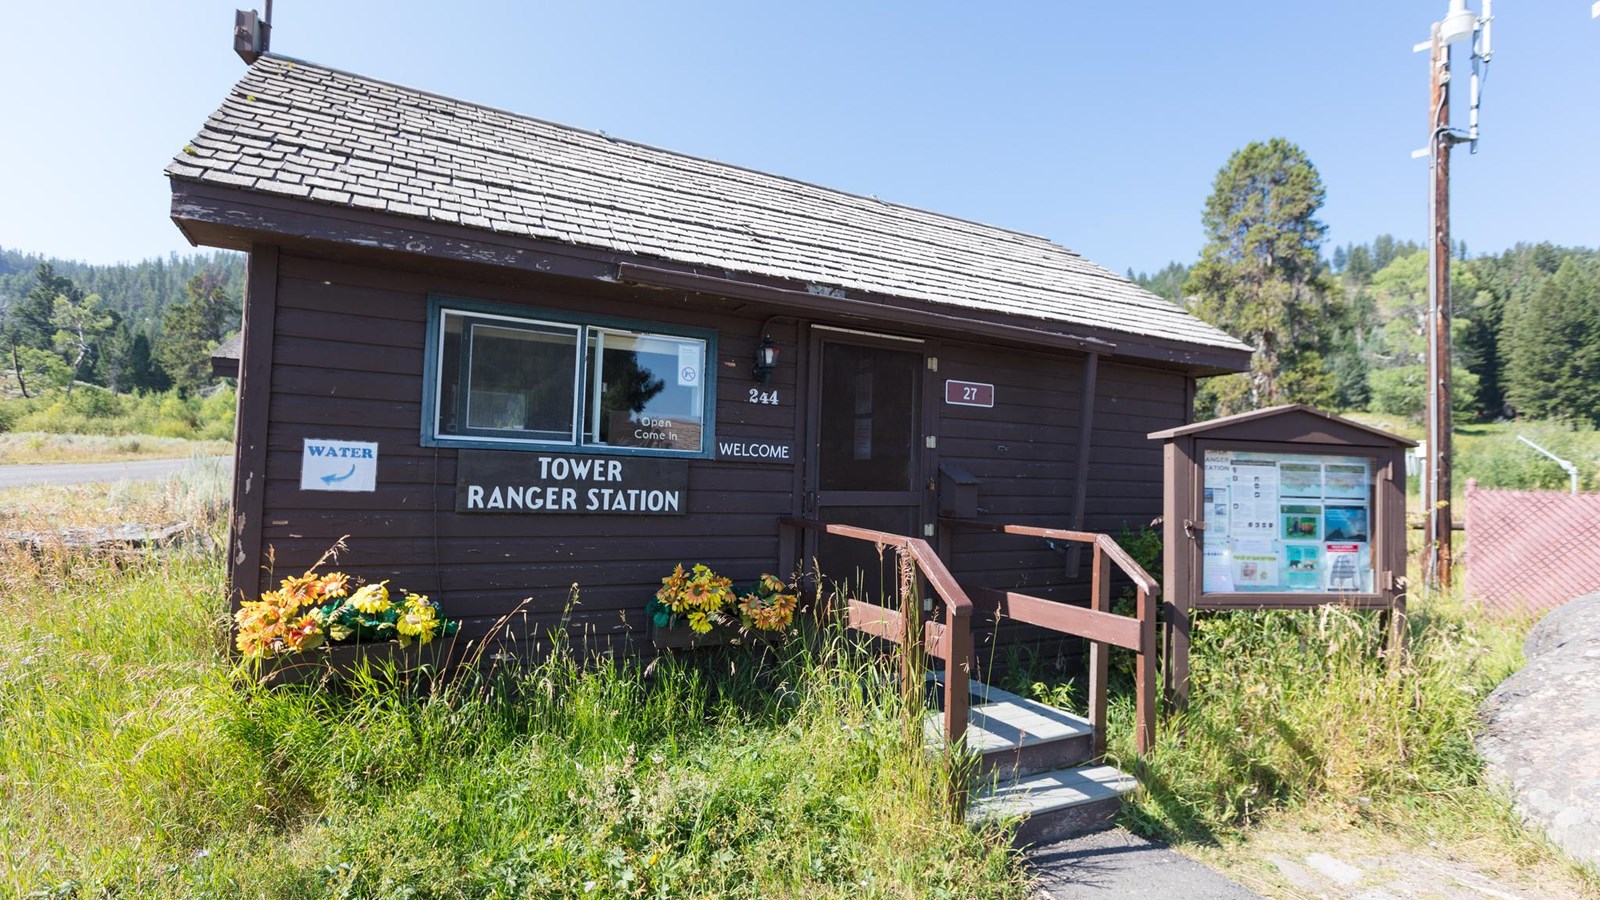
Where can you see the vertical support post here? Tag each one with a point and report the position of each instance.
(1080, 481)
(908, 576)
(250, 424)
(1177, 565)
(1437, 495)
(957, 675)
(1145, 675)
(1099, 657)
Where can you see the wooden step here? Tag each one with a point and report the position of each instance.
(1016, 736)
(1052, 805)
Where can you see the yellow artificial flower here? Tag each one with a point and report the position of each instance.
(371, 599)
(334, 585)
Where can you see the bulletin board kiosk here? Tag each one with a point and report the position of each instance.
(1280, 508)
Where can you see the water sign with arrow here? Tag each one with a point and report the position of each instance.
(329, 465)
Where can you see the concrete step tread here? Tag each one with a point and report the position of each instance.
(1005, 721)
(1034, 795)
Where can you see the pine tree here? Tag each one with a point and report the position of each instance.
(140, 371)
(81, 326)
(1553, 346)
(1260, 277)
(26, 329)
(193, 328)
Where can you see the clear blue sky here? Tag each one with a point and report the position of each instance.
(1099, 125)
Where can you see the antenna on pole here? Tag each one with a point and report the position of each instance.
(252, 33)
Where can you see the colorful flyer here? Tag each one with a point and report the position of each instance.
(1346, 481)
(1346, 523)
(1349, 568)
(1305, 567)
(1299, 522)
(1301, 479)
(1255, 571)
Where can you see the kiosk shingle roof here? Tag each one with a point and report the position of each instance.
(301, 130)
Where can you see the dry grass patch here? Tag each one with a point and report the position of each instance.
(37, 447)
(198, 495)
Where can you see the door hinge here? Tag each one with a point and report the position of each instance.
(933, 364)
(927, 529)
(931, 442)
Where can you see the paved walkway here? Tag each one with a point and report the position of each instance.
(84, 473)
(1118, 863)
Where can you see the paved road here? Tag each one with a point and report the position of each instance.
(82, 473)
(1115, 864)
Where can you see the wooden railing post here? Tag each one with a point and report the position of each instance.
(1145, 674)
(957, 675)
(908, 584)
(1099, 656)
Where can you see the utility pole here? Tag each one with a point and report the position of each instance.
(1438, 492)
(1460, 25)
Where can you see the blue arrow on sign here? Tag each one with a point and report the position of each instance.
(330, 478)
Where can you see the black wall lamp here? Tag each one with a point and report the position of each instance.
(766, 360)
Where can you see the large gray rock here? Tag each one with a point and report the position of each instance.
(1541, 734)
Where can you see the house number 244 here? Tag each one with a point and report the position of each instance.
(757, 395)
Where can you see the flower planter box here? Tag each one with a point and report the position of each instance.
(337, 662)
(682, 637)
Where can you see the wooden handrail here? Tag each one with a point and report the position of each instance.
(952, 642)
(1098, 625)
(1109, 546)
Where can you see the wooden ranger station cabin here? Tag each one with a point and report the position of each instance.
(507, 356)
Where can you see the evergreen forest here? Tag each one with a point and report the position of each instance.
(121, 348)
(1347, 330)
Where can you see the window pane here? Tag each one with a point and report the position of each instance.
(520, 379)
(645, 390)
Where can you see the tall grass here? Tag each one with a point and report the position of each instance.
(134, 763)
(1304, 713)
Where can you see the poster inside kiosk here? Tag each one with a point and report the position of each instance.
(1287, 523)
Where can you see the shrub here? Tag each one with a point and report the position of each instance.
(95, 410)
(1499, 460)
(1289, 709)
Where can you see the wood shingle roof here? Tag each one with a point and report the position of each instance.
(299, 130)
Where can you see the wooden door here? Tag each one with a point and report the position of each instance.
(867, 463)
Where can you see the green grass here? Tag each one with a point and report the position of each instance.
(133, 764)
(1301, 714)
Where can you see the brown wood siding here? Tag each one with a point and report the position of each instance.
(347, 355)
(1024, 454)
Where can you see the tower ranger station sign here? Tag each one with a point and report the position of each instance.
(490, 481)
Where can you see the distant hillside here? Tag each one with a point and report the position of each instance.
(139, 292)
